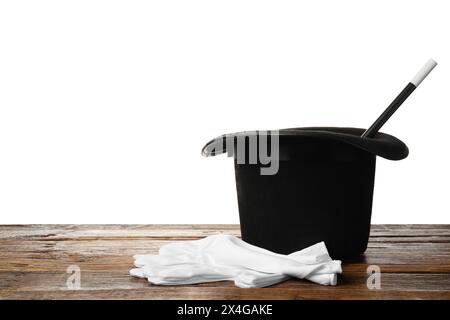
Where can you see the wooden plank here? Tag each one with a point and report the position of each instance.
(62, 232)
(96, 280)
(226, 293)
(98, 257)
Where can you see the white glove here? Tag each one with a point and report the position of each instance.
(224, 257)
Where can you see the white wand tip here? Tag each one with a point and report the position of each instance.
(426, 69)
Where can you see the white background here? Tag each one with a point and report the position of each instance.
(105, 105)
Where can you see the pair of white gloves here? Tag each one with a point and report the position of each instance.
(225, 257)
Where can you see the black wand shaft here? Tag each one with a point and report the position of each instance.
(390, 110)
(376, 126)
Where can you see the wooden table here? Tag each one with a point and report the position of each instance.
(414, 262)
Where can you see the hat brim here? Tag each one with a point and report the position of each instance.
(383, 145)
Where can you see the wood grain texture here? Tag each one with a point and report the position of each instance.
(414, 261)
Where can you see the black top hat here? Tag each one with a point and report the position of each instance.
(322, 189)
